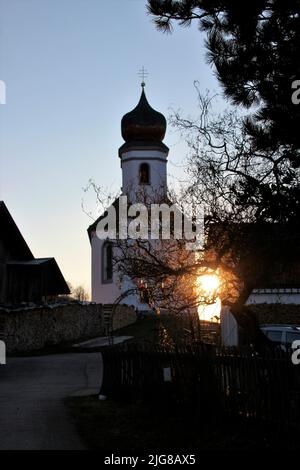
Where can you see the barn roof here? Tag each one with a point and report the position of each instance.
(53, 280)
(22, 259)
(12, 237)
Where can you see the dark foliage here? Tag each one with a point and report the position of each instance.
(255, 49)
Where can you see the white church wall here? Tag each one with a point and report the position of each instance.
(109, 292)
(131, 162)
(101, 293)
(133, 299)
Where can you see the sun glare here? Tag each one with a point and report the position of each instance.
(210, 312)
(208, 285)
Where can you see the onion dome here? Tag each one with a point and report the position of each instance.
(143, 123)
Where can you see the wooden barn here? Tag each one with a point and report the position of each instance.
(24, 278)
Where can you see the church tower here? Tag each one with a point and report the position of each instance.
(144, 155)
(143, 159)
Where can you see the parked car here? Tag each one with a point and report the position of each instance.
(282, 335)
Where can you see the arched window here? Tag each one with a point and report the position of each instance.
(107, 262)
(144, 173)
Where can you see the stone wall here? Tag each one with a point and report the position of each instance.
(33, 329)
(118, 316)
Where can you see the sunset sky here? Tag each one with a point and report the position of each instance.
(71, 72)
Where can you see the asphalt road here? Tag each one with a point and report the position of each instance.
(32, 389)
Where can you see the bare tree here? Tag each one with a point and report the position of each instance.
(248, 225)
(245, 195)
(80, 294)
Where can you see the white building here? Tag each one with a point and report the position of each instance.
(143, 159)
(275, 295)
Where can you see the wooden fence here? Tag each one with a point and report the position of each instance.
(211, 382)
(265, 388)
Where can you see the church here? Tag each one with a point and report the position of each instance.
(143, 159)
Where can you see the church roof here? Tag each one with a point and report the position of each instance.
(142, 145)
(143, 123)
(93, 226)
